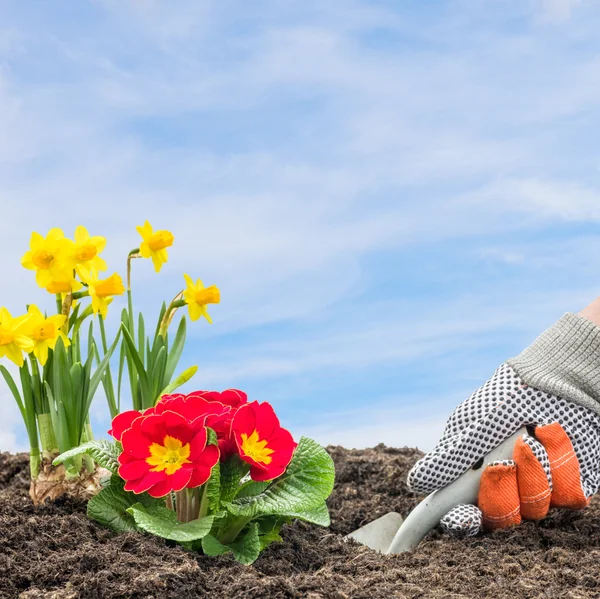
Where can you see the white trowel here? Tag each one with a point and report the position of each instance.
(390, 534)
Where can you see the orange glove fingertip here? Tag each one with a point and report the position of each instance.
(499, 497)
(534, 489)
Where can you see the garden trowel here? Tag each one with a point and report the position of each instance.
(391, 534)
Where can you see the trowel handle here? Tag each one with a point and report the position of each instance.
(433, 508)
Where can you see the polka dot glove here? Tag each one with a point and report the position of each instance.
(556, 465)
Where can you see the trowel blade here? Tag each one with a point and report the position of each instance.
(380, 533)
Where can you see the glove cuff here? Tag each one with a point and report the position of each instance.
(565, 361)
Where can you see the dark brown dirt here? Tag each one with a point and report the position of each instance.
(53, 551)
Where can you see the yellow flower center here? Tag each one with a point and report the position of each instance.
(111, 286)
(170, 456)
(256, 449)
(44, 331)
(210, 295)
(6, 337)
(42, 259)
(160, 240)
(85, 252)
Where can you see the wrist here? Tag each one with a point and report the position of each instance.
(592, 312)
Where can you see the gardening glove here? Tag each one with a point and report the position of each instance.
(552, 388)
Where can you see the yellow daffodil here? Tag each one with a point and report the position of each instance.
(197, 297)
(44, 332)
(63, 286)
(13, 337)
(102, 291)
(49, 257)
(86, 252)
(155, 244)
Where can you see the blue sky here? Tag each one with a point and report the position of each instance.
(393, 197)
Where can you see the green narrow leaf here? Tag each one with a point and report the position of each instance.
(163, 310)
(306, 483)
(158, 371)
(100, 370)
(139, 366)
(103, 452)
(141, 336)
(183, 378)
(13, 389)
(175, 351)
(73, 316)
(245, 549)
(162, 522)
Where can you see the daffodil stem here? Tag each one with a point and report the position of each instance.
(80, 294)
(47, 436)
(132, 254)
(88, 435)
(35, 462)
(103, 333)
(58, 303)
(170, 312)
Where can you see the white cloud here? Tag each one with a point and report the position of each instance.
(325, 135)
(391, 428)
(558, 10)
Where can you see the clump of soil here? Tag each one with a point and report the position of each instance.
(54, 551)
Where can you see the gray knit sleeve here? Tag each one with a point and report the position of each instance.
(565, 361)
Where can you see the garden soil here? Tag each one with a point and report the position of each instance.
(54, 551)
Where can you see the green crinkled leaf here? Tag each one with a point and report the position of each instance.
(212, 547)
(162, 522)
(213, 488)
(304, 486)
(251, 488)
(246, 548)
(211, 437)
(232, 472)
(318, 515)
(103, 452)
(268, 530)
(110, 506)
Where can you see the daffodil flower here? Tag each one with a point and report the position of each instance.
(44, 332)
(86, 252)
(102, 291)
(197, 297)
(63, 286)
(13, 337)
(155, 244)
(48, 257)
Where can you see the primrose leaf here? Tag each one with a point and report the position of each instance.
(246, 548)
(251, 488)
(103, 452)
(318, 515)
(213, 488)
(303, 487)
(162, 522)
(110, 506)
(232, 472)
